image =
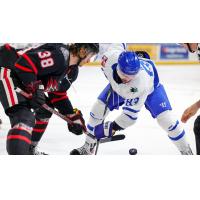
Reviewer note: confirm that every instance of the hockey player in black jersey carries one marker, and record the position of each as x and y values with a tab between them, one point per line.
55	66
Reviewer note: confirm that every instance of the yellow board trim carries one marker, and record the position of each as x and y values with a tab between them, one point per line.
93	64
177	63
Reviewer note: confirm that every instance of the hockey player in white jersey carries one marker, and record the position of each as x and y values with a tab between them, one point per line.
133	83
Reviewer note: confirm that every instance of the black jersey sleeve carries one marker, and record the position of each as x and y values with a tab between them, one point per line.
61	101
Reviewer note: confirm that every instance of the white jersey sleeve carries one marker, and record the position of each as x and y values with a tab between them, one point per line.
24	45
105	47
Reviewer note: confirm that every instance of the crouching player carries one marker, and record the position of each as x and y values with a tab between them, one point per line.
133	83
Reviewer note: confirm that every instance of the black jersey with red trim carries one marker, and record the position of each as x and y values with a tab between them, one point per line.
49	59
49	63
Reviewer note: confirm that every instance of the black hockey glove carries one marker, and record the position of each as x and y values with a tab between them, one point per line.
78	125
38	96
38	99
143	54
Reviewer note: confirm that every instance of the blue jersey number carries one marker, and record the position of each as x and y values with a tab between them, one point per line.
131	102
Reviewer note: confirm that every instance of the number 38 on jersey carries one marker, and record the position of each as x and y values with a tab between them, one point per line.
46	59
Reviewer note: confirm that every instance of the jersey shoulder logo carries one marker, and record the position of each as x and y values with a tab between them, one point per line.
103	61
133	89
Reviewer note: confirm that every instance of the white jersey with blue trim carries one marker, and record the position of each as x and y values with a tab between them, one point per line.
141	85
134	92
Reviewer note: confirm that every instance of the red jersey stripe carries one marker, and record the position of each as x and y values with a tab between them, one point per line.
38	130
31	63
58	99
23	68
58	93
41	122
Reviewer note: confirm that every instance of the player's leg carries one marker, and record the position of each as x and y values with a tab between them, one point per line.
42	119
19	136
107	101
21	118
197	134
159	106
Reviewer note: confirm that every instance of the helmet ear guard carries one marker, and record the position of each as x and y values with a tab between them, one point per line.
129	63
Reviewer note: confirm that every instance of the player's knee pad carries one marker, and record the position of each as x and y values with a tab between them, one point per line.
19	140
171	125
197	126
97	114
23	115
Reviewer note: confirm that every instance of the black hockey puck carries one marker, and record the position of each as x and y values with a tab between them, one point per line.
133	151
74	152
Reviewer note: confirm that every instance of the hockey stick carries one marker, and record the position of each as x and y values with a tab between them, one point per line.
103	140
105	110
48	108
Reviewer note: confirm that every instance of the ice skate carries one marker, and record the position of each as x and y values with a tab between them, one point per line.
187	151
34	151
87	149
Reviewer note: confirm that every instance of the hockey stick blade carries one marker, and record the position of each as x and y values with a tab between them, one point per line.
113	138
